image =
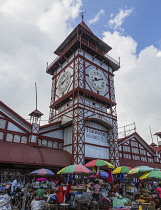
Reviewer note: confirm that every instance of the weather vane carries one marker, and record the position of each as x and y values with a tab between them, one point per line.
82	14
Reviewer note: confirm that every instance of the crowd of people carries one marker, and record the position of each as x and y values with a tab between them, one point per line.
119	193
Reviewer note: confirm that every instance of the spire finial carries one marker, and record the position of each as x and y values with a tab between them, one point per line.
82	14
36	94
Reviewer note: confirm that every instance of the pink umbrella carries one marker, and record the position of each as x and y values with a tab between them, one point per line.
41	179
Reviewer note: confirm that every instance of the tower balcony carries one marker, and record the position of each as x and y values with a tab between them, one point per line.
80	43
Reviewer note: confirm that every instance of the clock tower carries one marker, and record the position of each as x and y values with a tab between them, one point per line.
83	97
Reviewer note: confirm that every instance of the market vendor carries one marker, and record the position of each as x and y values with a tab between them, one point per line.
59	193
115	187
14	185
96	189
120	201
40	193
67	192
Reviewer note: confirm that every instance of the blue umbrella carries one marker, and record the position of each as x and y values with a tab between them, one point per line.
42	172
103	174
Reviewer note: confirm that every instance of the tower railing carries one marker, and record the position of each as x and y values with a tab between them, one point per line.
87	43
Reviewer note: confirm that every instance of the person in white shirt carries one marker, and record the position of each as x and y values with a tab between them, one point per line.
14	185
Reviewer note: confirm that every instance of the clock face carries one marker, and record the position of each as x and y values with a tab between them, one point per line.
63	82
97	79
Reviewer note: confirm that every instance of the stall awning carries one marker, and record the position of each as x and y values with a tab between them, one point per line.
25	154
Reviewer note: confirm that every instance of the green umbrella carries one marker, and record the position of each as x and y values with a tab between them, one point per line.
156	174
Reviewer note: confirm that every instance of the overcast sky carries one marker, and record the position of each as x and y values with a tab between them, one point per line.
32	30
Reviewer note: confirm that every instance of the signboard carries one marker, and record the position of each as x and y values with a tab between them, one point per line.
95	135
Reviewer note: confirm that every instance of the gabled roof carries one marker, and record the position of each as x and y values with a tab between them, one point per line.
14	117
139	139
2	105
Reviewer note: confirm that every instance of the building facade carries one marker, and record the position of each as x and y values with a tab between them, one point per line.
83	120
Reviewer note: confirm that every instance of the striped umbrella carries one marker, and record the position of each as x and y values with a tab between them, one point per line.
155	174
74	169
99	162
140	169
121	169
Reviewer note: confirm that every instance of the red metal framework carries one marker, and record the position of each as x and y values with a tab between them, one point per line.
53	89
78	124
78	110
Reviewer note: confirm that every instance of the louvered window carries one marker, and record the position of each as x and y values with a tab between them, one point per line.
24	139
9	137
55	144
2	123
1	135
50	144
16	138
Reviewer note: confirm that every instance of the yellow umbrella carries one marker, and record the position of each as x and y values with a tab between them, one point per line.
121	169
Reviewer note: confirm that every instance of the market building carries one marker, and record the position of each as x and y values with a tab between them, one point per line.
83	120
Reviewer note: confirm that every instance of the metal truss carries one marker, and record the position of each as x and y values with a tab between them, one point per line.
78	125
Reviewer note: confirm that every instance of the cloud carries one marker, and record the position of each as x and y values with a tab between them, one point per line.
30	32
97	17
117	21
137	84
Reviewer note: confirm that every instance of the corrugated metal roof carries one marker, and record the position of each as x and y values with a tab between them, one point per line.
25	154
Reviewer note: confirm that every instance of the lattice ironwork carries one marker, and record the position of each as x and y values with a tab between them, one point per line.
52	111
78	124
78	149
113	139
81	110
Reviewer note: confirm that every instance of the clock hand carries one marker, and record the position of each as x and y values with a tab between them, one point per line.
95	79
63	81
100	79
